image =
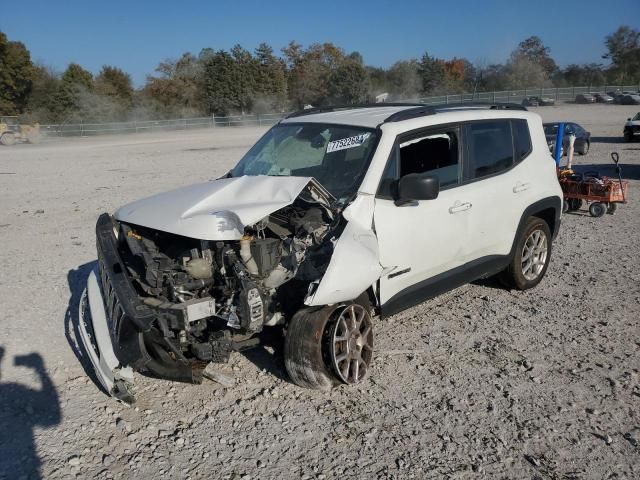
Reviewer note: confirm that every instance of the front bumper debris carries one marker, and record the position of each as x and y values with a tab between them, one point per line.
94	334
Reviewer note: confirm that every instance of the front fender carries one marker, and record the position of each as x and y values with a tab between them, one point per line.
355	263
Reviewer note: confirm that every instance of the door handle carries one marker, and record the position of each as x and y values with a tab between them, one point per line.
460	207
520	187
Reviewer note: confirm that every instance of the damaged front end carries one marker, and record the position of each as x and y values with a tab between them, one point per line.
169	304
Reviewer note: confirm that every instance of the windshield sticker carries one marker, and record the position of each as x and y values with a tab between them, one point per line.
349	142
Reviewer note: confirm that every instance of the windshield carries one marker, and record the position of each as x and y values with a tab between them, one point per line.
335	155
551	128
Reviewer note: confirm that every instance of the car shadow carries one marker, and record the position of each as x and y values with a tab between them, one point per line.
77	281
22	409
619	139
271	340
629	171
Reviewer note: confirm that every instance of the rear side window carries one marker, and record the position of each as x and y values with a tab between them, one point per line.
521	139
490	147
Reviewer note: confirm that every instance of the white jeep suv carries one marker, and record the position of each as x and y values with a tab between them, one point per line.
335	216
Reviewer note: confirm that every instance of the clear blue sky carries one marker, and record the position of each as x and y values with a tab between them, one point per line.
137	35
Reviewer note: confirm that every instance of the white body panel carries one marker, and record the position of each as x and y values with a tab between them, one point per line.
106	365
216	210
419	240
355	263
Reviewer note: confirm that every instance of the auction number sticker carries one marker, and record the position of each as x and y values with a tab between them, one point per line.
349	142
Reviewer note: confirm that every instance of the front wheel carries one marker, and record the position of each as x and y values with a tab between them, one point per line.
531	258
329	345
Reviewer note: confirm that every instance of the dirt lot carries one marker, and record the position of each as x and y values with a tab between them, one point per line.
478	383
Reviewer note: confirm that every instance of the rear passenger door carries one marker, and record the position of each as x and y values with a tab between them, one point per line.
492	167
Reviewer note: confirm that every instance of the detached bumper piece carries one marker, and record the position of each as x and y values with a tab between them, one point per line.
118	330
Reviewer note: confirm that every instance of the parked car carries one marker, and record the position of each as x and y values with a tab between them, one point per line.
538	101
630	99
334	217
632	128
602	97
585	98
583	137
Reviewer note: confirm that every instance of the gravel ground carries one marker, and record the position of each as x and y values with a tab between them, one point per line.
478	383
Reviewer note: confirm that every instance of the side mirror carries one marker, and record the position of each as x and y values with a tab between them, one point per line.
417	186
629	119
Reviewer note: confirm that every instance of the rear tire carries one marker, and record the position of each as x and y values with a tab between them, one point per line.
574	204
7	139
585	149
531	258
611	208
597	209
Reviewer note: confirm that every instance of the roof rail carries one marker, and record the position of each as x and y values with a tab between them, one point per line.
425	110
334	108
480	105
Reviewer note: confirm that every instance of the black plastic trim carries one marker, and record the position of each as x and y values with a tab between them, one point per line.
434	286
335	108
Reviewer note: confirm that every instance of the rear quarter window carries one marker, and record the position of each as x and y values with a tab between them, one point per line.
521	139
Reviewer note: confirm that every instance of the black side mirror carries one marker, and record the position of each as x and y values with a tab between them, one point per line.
417	186
629	119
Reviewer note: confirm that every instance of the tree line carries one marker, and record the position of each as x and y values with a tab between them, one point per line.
224	82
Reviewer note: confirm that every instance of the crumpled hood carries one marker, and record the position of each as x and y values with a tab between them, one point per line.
216	210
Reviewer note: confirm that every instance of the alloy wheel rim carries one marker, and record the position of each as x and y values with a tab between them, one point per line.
534	255
352	343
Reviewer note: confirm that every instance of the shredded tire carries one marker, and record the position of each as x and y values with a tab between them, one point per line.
303	357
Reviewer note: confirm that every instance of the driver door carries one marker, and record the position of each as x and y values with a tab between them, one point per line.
421	240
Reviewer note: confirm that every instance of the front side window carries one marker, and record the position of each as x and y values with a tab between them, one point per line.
490	148
337	156
434	152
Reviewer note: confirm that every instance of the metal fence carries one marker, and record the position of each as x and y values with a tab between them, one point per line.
137	126
517	96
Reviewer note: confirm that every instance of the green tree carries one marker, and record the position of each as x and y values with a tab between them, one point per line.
310	71
432	73
348	82
271	82
623	47
115	83
75	85
220	92
41	106
16	72
404	79
175	91
535	52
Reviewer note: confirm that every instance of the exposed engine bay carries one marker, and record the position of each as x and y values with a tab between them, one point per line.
207	297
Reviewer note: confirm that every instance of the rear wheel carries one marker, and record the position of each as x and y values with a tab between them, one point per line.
574	204
597	209
7	139
531	258
329	345
611	208
585	148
